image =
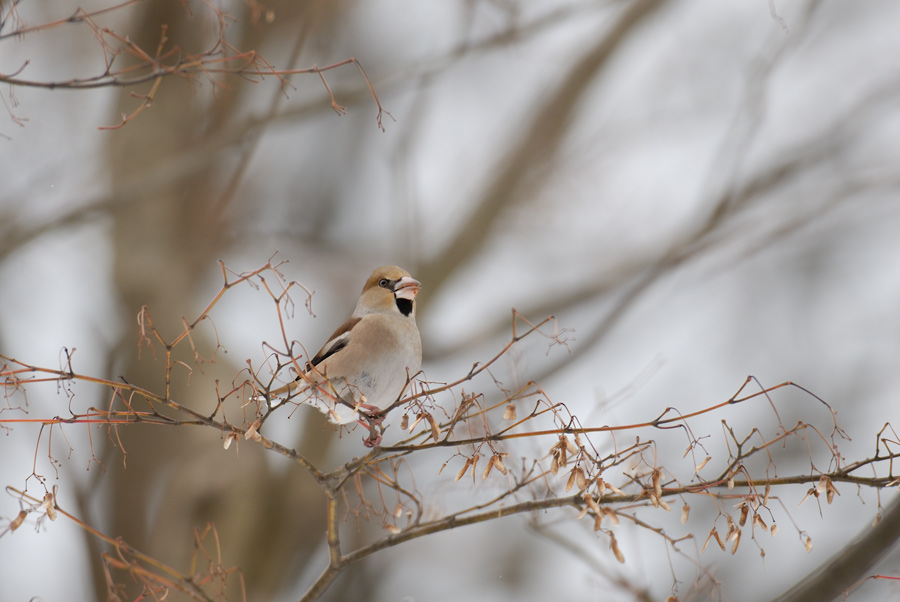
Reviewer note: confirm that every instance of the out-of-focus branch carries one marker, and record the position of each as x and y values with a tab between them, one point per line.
154	575
724	216
851	564
540	142
637	590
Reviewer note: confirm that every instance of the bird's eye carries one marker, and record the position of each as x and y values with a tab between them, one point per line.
384	282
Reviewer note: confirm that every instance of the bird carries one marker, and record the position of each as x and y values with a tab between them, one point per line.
368	361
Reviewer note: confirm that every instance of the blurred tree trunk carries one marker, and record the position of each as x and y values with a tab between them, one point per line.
166	239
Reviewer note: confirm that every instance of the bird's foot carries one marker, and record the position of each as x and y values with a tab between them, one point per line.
373	423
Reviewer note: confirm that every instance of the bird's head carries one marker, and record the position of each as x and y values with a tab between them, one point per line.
388	289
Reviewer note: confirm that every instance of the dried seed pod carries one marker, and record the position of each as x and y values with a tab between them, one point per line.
731	527
435	430
475	460
685	512
830	490
615	489
487	470
571	482
737	541
252	431
708	538
773	529
463	470
18	520
614	546
810	491
745	511
419	418
228	439
497	461
657	486
404	422
703	463
510	412
580	479
719	541
808	544
758	520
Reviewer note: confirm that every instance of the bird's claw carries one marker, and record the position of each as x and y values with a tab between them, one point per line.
372	422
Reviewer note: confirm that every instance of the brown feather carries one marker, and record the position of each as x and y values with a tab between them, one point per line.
342	329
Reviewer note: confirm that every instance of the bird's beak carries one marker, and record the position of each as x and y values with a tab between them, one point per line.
407	288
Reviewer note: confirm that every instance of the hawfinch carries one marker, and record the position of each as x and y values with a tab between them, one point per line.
369	360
